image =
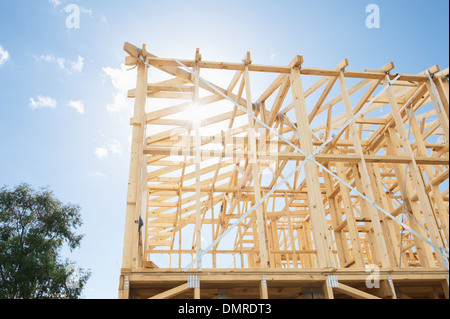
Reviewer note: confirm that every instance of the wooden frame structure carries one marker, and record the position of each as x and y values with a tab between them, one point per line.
339	190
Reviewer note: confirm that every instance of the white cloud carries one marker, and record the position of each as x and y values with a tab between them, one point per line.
42	102
122	80
73	66
101	152
77	105
108	146
98	174
55	3
272	57
66	65
104	20
4	55
47	58
119	104
115	147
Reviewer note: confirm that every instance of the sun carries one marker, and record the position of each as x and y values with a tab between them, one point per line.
194	113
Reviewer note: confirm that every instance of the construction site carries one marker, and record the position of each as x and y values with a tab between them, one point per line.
251	181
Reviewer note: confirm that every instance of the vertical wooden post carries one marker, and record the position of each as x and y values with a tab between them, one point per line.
440	108
133	209
405	184
327	291
316	208
340	239
263	291
422	151
276	244
388	289
378	232
197	293
263	245
291	230
351	220
374	256
389	229
416	174
196	123
442	89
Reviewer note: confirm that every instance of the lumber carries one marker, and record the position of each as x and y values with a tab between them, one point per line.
258	189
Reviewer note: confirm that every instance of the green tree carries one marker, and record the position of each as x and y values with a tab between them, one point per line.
34	227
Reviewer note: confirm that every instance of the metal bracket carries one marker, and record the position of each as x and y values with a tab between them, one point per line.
264	282
391	282
332	282
142	58
126	284
193	282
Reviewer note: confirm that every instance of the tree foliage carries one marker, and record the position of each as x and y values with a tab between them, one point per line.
34	227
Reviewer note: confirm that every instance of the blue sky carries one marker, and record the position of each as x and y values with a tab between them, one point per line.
63	112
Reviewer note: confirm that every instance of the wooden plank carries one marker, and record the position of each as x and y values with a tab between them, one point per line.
378	232
263	291
197	160
130	49
314	195
340	238
327	291
183	197
355	293
164	62
416	175
272	88
440	109
172	292
406	189
279	100
263	246
131	256
350	220
322	98
322	158
436	191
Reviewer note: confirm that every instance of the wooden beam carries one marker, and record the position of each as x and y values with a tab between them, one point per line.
183	181
172	292
378	231
263	246
131	255
372	75
311	171
263	291
355	293
416	175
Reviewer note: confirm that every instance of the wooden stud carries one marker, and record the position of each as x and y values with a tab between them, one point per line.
311	171
172	292
378	232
